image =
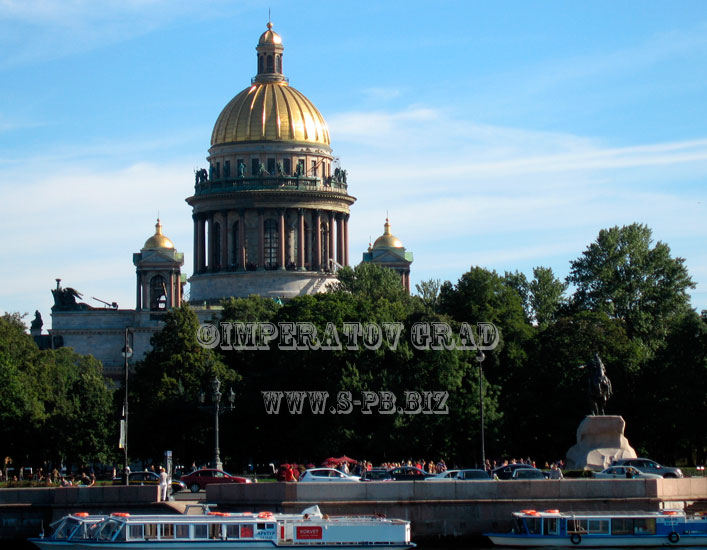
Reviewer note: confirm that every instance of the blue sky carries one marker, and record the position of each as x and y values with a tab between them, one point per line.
500	134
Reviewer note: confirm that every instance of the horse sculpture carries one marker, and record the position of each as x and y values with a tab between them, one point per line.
599	385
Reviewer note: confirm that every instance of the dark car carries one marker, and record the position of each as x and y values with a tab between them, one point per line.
506	472
148	478
376	474
199	479
528	473
408	473
648	466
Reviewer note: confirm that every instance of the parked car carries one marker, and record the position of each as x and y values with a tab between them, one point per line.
148	478
408	473
648	466
376	474
506	472
527	473
624	472
198	480
326	474
460	475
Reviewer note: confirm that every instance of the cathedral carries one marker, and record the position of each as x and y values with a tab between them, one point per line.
270	216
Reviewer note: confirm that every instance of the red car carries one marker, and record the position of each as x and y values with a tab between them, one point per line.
198	480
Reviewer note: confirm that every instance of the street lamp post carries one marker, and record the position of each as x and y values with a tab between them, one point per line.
126	353
480	358
218	410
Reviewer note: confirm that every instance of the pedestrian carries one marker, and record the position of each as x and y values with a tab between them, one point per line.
555	472
164	483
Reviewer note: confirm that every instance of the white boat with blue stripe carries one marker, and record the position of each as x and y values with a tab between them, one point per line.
220	530
597	530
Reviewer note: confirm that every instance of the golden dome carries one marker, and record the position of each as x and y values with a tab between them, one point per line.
387	239
269	37
158	240
272	111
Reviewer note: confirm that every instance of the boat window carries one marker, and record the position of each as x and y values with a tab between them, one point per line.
533	525
137	532
519	526
551	526
110	527
64	529
150	530
622	526
598	526
167	531
232	531
181	531
247	531
576	526
261	526
201	531
215	531
644	526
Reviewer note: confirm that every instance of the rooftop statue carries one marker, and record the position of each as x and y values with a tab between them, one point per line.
37	322
599	385
65	300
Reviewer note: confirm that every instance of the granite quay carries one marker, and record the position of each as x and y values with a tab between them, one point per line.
458	511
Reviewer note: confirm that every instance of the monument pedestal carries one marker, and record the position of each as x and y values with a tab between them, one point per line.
600	440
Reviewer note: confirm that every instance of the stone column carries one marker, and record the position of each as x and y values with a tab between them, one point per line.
241	240
317	256
211	251
261	241
339	239
281	243
196	245
330	255
300	239
138	294
346	239
200	252
225	241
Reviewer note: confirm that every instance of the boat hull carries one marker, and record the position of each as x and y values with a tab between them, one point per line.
588	541
45	544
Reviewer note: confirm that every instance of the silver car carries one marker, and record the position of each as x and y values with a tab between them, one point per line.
624	472
648	466
327	475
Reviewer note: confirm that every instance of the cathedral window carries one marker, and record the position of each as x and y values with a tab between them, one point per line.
235	246
158	293
260	64
226	168
218	170
300	167
270	67
287	166
278	62
271	166
314	169
254	166
270	244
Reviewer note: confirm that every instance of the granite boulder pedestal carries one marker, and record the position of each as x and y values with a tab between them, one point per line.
600	440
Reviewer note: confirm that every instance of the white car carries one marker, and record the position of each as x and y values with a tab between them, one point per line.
460	475
326	474
625	472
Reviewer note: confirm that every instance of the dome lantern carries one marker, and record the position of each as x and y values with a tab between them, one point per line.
269	50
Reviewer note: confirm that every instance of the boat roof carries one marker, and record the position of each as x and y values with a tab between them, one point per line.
595	514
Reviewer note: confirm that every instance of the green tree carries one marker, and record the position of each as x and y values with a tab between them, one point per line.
627	277
165	391
428	292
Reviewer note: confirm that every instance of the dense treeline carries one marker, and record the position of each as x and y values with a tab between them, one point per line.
55	406
625	298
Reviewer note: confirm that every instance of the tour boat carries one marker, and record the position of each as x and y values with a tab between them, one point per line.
220	530
595	529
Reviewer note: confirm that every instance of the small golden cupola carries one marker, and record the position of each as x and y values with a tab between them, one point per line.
387	239
388	251
158	240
